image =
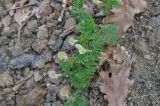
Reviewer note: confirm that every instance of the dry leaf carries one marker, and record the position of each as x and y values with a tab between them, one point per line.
72	41
124	16
44	8
115	55
64	92
62	56
22	14
81	49
53	75
116	85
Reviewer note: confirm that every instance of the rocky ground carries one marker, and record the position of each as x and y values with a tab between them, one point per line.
24	66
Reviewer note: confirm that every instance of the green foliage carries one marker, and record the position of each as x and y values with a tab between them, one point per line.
81	68
77	8
76	100
108	4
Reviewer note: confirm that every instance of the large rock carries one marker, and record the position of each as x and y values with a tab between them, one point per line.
21	62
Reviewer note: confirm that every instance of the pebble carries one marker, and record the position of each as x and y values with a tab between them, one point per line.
6	79
37	76
70	22
4	40
42	33
6	20
1	27
39	45
3	67
32	25
155	11
21	61
55	44
155	21
57	103
34	97
38	62
16	51
66	46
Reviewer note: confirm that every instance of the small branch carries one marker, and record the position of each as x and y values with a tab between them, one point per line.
21	27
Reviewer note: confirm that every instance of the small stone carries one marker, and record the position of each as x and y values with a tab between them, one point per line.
39	45
70	22
55	44
155	21
45	8
32	24
1	27
66	46
3	67
147	56
37	76
26	71
6	79
43	32
6	20
38	62
57	103
21	62
16	51
34	97
4	40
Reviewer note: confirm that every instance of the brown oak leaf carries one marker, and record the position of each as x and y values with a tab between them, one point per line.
116	85
123	16
115	55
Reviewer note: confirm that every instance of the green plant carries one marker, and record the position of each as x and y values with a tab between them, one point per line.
77	8
81	68
108	4
76	100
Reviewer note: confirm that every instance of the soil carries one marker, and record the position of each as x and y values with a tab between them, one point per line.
37	55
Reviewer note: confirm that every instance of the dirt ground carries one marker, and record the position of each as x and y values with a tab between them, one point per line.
143	43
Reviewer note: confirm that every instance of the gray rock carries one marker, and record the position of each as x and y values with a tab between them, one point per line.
3	52
66	46
57	103
155	11
4	40
6	79
21	62
32	24
38	62
37	76
3	67
155	21
52	23
16	51
42	33
10	32
6	20
55	44
70	22
47	104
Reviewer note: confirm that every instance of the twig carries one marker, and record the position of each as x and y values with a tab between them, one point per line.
67	31
62	13
2	12
21	27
